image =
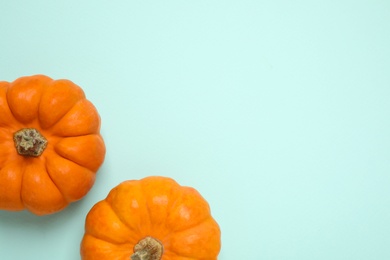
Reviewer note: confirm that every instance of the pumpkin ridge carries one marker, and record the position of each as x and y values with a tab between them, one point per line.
9	108
76	135
119	216
178	196
68	156
173	250
176	254
178	201
15	202
6	86
61	117
40	98
132	239
21	183
55	184
63	171
192	226
38	180
108	240
86	114
69	93
146	195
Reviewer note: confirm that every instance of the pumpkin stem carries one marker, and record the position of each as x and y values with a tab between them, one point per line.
148	248
29	142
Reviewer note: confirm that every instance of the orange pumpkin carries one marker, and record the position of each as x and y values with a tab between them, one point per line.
50	144
153	218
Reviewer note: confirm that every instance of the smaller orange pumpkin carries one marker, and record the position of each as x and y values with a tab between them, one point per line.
50	144
151	219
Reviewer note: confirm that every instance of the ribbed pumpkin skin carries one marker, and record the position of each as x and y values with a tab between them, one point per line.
179	217
66	169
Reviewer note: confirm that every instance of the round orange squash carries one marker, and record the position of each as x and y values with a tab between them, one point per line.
50	144
151	219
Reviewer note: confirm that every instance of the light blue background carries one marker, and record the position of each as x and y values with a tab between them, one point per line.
276	111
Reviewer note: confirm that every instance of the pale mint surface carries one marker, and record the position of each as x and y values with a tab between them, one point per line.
276	111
